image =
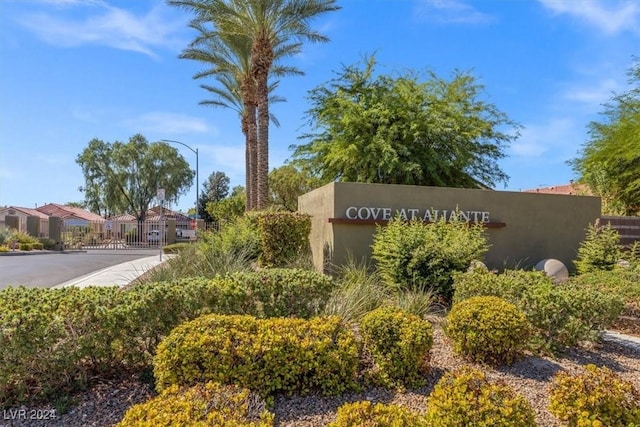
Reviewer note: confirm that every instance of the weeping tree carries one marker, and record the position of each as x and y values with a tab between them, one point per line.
404	129
609	163
124	177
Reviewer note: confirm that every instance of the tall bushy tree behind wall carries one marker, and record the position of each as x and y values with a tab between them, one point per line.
397	129
610	161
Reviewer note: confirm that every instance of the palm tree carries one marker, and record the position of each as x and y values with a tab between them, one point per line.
230	66
273	26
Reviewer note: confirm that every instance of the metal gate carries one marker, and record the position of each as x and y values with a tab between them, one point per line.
114	234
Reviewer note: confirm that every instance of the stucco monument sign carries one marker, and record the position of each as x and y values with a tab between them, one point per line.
523	228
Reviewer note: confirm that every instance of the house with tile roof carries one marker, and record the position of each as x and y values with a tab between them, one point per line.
564	189
23	214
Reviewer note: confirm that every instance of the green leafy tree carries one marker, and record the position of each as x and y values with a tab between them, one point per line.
400	130
610	161
124	177
272	26
286	183
214	189
229	208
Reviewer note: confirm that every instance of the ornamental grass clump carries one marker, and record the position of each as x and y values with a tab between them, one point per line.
595	398
209	404
399	344
367	414
487	330
466	398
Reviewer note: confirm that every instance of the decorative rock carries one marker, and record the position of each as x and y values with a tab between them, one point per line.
553	268
477	265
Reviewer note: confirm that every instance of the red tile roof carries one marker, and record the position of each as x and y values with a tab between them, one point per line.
63	211
566	189
27	211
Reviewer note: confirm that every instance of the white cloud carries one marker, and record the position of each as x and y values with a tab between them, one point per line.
593	95
536	140
449	12
227	158
611	17
167	123
106	25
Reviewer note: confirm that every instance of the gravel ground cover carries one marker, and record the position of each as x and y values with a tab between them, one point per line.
105	404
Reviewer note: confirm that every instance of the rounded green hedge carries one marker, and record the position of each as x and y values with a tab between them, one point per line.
365	413
209	404
487	330
466	398
399	344
596	398
264	355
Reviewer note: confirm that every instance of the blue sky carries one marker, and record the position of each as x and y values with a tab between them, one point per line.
74	70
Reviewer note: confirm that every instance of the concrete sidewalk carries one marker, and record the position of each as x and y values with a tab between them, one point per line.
117	275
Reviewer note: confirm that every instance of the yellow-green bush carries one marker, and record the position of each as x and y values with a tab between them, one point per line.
209	404
284	292
467	398
560	315
399	344
283	237
595	398
175	248
264	355
415	255
366	414
487	330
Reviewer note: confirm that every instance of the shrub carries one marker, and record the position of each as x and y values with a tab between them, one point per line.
487	330
399	344
416	255
366	414
264	355
619	281
175	248
37	246
281	292
283	237
25	246
600	250
467	398
560	315
207	404
4	248
47	243
597	397
238	237
51	341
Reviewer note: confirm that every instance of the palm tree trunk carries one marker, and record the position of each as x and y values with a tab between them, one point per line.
262	59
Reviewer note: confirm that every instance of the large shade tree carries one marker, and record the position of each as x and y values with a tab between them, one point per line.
124	177
270	25
610	161
287	182
401	130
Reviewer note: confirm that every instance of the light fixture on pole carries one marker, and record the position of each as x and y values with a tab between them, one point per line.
197	174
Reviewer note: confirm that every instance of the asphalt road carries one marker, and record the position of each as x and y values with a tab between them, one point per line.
50	269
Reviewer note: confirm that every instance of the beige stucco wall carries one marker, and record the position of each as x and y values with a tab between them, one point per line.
537	226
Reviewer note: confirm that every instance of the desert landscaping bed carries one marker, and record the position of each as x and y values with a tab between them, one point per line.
106	403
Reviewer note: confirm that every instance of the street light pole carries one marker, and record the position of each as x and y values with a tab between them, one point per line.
197	174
